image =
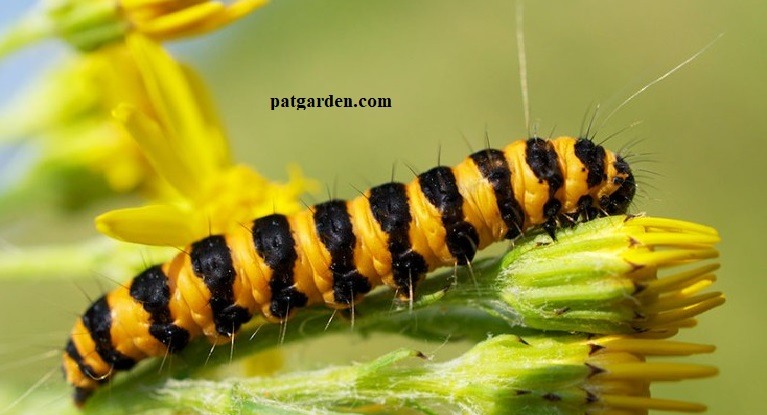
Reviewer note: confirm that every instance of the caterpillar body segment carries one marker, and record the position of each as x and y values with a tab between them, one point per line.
337	251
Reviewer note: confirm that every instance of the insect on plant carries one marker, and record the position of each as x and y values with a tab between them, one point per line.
337	251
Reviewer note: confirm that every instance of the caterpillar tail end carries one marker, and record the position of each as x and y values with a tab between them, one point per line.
81	395
80	376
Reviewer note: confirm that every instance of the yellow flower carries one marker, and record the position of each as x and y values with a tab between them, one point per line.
164	19
620	376
184	142
66	119
91	24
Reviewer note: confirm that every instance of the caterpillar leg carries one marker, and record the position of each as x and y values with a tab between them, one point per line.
550	226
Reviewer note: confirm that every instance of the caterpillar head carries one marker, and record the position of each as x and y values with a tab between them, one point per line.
620	189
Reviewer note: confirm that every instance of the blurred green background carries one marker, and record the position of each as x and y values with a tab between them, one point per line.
450	68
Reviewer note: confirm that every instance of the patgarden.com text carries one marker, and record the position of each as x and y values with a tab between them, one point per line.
330	101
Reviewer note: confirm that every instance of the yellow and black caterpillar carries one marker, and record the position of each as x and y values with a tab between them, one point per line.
337	251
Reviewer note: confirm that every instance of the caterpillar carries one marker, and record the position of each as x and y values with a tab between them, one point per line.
337	251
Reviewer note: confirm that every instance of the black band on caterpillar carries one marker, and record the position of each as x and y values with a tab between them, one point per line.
495	169
440	188
543	161
212	262
593	158
275	244
335	230
390	208
98	321
339	250
150	289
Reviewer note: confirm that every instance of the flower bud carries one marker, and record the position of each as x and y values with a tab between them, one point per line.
613	275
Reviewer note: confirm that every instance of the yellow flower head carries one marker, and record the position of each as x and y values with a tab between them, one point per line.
571	374
184	142
90	24
620	374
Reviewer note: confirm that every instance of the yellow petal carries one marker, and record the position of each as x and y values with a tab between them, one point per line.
178	23
162	225
218	146
158	149
193	135
235	11
243	7
135	4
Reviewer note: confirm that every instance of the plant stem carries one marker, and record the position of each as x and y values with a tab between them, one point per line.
30	29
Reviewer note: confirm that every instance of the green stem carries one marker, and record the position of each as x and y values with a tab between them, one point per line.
379	382
504	374
86	25
62	262
31	29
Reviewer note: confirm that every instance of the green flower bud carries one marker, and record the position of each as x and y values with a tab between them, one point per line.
612	275
507	374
